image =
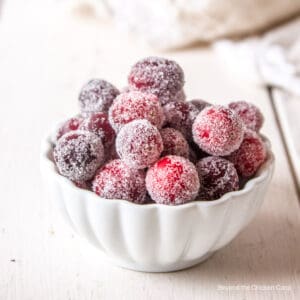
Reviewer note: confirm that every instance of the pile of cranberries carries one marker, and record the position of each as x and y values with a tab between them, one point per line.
147	144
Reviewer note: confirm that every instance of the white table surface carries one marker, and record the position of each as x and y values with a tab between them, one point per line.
45	57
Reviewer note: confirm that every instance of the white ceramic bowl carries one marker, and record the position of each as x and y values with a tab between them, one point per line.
154	237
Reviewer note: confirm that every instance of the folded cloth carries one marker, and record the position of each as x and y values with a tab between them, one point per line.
176	23
273	59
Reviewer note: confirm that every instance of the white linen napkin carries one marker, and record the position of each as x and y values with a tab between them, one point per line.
273	58
166	24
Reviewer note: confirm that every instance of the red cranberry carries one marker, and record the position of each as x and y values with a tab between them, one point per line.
218	130
78	154
112	153
139	144
69	125
249	113
82	184
172	180
174	143
98	123
97	95
115	180
135	106
250	156
181	115
218	176
180	96
159	76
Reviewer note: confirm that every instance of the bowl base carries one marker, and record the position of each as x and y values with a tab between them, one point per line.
164	269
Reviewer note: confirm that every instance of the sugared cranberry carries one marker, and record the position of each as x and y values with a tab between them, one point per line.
115	180
200	104
181	115
218	176
82	184
250	156
112	153
249	113
97	96
172	180
135	105
139	144
159	76
180	96
78	154
70	125
218	130
174	143
98	123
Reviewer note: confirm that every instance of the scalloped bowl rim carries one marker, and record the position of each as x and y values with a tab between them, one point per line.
260	176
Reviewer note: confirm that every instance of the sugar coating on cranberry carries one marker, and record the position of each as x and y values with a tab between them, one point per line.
69	125
98	123
217	176
181	115
180	96
250	155
172	180
200	104
78	154
218	130
115	180
97	95
174	143
159	76
139	144
112	153
249	113
135	105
